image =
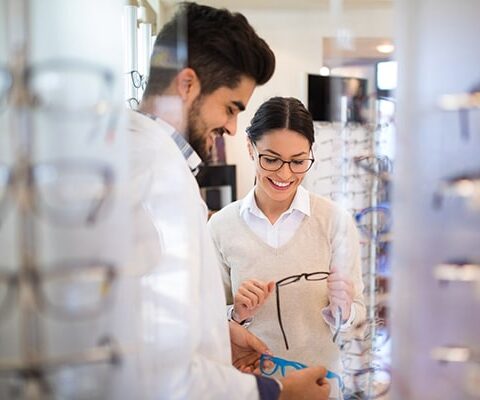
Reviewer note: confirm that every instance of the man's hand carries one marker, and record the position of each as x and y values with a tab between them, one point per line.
250	297
305	384
246	349
340	294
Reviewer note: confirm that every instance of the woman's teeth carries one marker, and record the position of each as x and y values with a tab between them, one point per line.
281	184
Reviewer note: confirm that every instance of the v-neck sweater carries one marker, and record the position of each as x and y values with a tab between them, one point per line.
326	238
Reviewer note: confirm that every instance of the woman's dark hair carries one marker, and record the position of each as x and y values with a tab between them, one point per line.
281	113
220	46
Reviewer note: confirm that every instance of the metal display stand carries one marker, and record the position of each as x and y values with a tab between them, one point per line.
349	169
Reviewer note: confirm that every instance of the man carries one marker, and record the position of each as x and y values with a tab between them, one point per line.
185	104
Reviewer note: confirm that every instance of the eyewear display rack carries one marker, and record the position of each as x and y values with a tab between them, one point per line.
436	263
350	169
64	225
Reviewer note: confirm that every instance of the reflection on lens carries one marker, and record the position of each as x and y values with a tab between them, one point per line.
72	192
86	382
374	382
69	89
78	290
317	276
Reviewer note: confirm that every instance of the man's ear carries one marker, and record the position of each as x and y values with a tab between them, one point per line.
188	85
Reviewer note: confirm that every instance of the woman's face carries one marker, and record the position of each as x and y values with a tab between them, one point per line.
280	185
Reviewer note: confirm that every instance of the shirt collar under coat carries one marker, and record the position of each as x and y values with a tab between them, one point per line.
193	159
301	203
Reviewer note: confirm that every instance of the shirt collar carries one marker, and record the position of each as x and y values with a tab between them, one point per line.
193	159
301	202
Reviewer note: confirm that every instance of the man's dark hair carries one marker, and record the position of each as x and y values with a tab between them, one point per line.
221	48
281	113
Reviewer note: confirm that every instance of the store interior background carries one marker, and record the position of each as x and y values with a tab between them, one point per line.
432	258
430	342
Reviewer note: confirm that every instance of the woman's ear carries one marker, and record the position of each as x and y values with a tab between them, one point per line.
188	85
250	148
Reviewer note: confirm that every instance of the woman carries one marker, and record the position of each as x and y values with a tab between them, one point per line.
291	259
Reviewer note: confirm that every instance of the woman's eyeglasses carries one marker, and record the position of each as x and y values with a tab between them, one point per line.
271	163
313	276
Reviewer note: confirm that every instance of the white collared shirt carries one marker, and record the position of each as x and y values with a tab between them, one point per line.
282	231
284	228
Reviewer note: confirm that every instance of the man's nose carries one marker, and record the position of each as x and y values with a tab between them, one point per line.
231	126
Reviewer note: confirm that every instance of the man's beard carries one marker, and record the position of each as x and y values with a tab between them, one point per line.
196	131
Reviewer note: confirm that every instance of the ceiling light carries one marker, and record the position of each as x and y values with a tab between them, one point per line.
385	48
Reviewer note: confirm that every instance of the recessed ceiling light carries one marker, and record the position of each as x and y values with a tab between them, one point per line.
385	48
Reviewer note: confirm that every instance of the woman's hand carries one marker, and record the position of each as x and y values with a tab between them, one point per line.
250	297
340	294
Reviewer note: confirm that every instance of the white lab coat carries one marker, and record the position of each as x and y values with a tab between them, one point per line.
183	327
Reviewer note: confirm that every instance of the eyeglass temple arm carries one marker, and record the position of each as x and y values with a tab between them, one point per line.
279	316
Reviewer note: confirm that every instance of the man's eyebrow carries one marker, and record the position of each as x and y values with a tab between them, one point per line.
239	105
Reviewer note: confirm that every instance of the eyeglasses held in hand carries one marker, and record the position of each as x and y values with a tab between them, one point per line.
73	289
269	365
313	276
271	163
84	375
69	192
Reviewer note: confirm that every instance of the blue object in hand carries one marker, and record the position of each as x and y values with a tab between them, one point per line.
270	364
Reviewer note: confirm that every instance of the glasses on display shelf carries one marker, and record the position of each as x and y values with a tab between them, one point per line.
6	82
271	163
375	222
457	271
465	186
463	103
85	375
68	192
138	80
313	276
269	365
132	103
379	166
73	289
350	195
335	179
68	93
374	382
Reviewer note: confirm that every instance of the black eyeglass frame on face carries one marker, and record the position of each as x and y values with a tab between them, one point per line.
273	159
312	276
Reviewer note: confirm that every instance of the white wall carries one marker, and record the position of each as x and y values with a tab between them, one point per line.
296	39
